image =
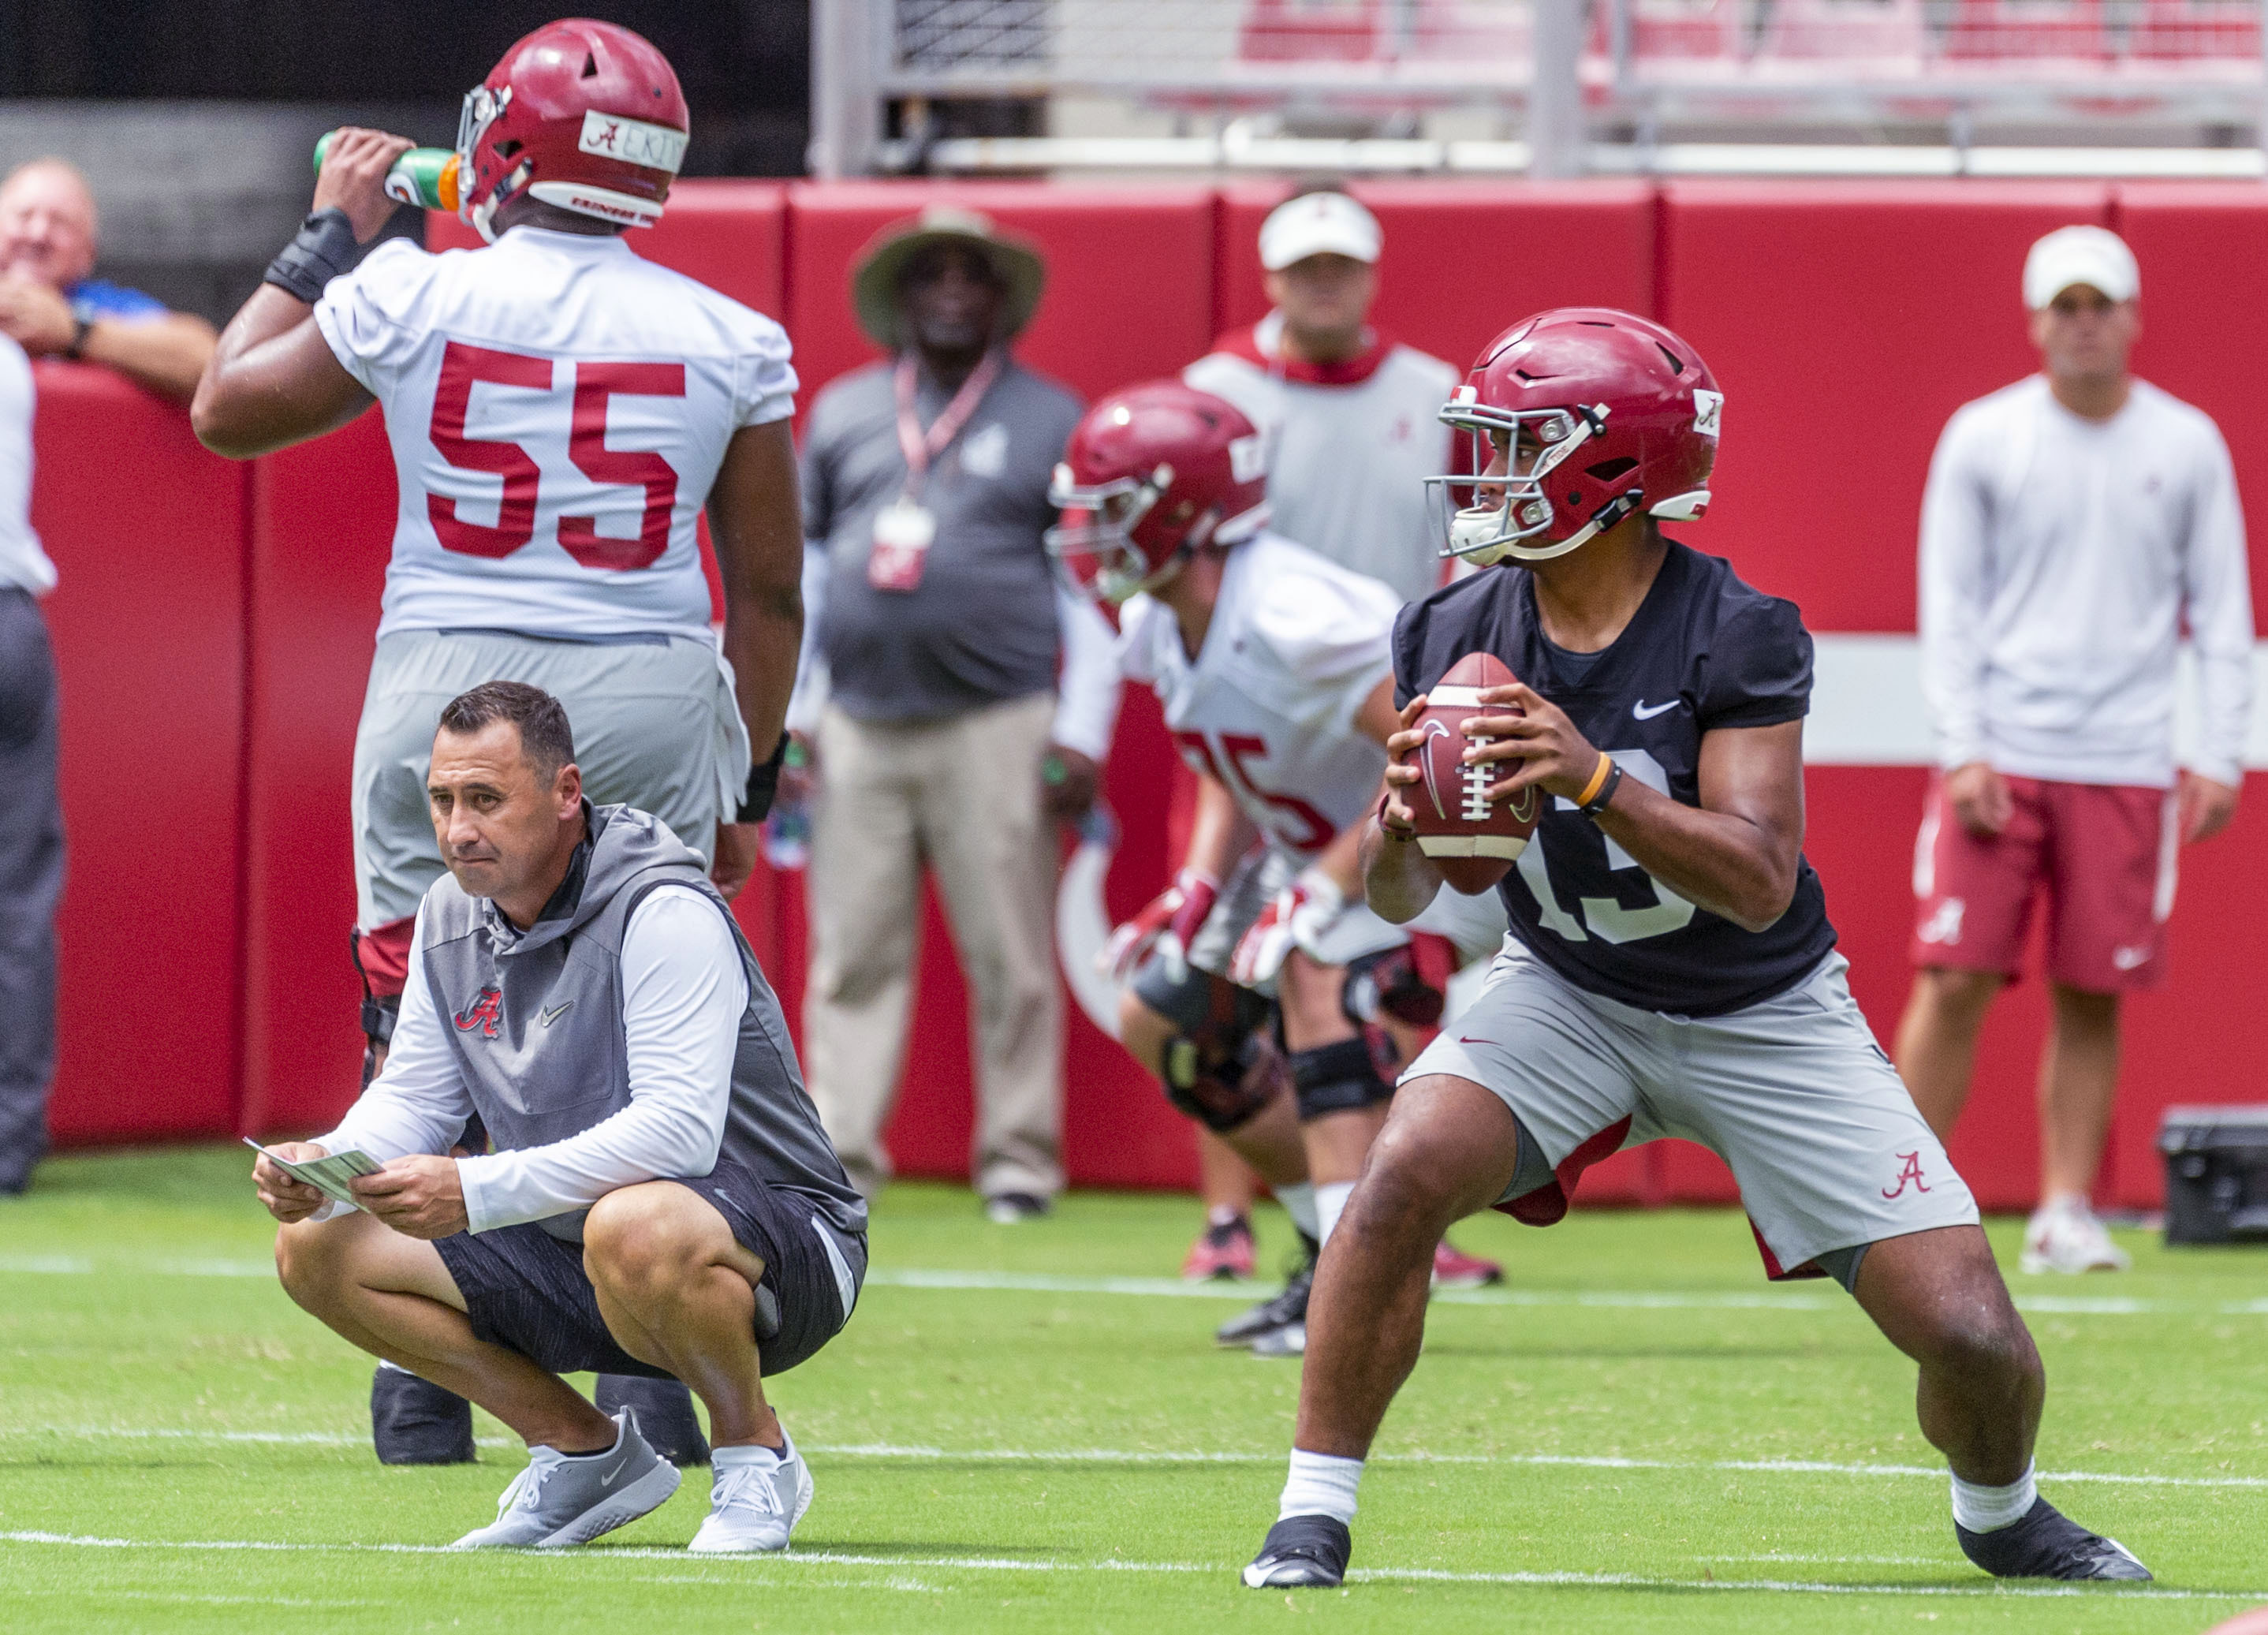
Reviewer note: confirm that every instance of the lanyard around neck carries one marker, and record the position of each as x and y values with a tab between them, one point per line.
921	447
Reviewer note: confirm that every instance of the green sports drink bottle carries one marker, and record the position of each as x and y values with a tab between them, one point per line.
423	176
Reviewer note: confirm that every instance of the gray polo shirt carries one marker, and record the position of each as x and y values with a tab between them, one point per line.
982	627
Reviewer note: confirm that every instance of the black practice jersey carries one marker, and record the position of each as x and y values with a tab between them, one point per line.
1704	651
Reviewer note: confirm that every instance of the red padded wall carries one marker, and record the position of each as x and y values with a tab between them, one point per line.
1844	323
214	624
322	529
1128	293
1465	260
147	533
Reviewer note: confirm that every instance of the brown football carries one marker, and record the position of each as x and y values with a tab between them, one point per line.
1472	840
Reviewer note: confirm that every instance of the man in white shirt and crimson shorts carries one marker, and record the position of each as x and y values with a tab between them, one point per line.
561	411
2074	524
661	1200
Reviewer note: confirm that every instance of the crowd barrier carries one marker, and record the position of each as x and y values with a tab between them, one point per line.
214	622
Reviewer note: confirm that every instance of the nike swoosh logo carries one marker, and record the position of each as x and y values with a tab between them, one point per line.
1469	1039
608	1480
552	1015
1642	712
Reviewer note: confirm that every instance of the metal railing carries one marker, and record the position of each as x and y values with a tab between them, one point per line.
1719	73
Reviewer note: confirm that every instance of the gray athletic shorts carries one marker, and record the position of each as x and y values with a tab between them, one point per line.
1252	884
1828	1148
655	722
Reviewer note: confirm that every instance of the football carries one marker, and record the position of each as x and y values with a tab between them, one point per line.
1472	840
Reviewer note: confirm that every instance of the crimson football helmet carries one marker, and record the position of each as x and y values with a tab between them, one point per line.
1151	475
583	114
1579	416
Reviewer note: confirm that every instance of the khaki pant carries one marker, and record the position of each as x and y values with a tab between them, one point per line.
962	797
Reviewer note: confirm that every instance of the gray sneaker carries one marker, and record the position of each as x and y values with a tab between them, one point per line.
560	1499
754	1510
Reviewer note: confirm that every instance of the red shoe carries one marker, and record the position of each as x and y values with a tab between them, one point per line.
1224	1251
1453	1268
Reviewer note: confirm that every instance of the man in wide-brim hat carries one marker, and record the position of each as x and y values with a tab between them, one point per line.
932	614
880	273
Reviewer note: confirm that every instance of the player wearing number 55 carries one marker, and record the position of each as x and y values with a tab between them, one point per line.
662	1201
1671	970
560	412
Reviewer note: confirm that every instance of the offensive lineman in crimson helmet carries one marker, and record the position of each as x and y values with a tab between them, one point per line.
562	413
1271	664
1671	971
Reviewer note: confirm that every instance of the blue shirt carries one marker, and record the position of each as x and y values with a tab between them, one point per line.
91	299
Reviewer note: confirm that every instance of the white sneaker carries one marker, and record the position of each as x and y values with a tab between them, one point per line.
2064	1235
560	1499
1288	1340
753	1507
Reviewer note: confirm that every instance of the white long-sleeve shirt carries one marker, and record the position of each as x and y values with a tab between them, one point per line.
683	992
1087	698
23	565
2060	560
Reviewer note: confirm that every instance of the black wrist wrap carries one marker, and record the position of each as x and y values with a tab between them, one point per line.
324	248
764	783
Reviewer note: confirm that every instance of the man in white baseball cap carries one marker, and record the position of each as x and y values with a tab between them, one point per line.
1350	417
2073	523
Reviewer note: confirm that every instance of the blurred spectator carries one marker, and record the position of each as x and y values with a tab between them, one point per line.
2074	523
51	305
1350	418
31	810
936	735
1350	415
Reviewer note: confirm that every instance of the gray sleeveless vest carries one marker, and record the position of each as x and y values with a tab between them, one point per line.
535	1018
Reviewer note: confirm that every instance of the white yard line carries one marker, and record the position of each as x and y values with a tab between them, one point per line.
1175	1288
993	1563
920	1453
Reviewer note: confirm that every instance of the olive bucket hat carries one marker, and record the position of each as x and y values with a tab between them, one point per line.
874	276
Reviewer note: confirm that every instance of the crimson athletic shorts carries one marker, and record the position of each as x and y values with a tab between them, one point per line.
2102	856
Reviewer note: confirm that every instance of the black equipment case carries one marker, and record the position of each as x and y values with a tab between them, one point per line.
2216	1174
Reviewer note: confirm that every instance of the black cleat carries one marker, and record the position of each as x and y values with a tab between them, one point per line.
664	1414
1301	1552
1287	1310
415	1422
2049	1544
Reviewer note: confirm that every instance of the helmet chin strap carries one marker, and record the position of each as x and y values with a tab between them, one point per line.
1608	516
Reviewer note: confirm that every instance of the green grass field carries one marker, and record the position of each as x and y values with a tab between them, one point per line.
1027	1428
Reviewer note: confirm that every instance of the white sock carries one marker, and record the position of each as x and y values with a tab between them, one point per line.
1298	1202
1983	1509
1320	1484
754	1454
1330	1203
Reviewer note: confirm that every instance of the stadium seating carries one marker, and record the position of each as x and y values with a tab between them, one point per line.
214	622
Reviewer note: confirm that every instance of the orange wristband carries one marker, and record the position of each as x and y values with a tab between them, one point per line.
1598	780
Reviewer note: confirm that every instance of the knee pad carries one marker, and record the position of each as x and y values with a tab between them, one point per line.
1391	982
1337	1078
1222	1067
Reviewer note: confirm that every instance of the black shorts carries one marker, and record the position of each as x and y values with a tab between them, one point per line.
526	1290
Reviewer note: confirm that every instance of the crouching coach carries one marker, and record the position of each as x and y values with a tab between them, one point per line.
661	1200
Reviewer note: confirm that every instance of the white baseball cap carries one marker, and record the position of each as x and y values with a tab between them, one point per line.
1317	223
2094	256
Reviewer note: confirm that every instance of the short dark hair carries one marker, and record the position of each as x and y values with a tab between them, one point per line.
545	737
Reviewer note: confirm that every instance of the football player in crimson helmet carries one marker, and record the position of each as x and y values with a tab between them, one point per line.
584	116
1272	666
1671	969
574	137
1638	433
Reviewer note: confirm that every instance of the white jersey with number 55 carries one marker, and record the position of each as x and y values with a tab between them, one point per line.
1295	645
559	408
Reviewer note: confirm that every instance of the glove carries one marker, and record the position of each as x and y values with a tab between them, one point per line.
1300	917
1166	925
